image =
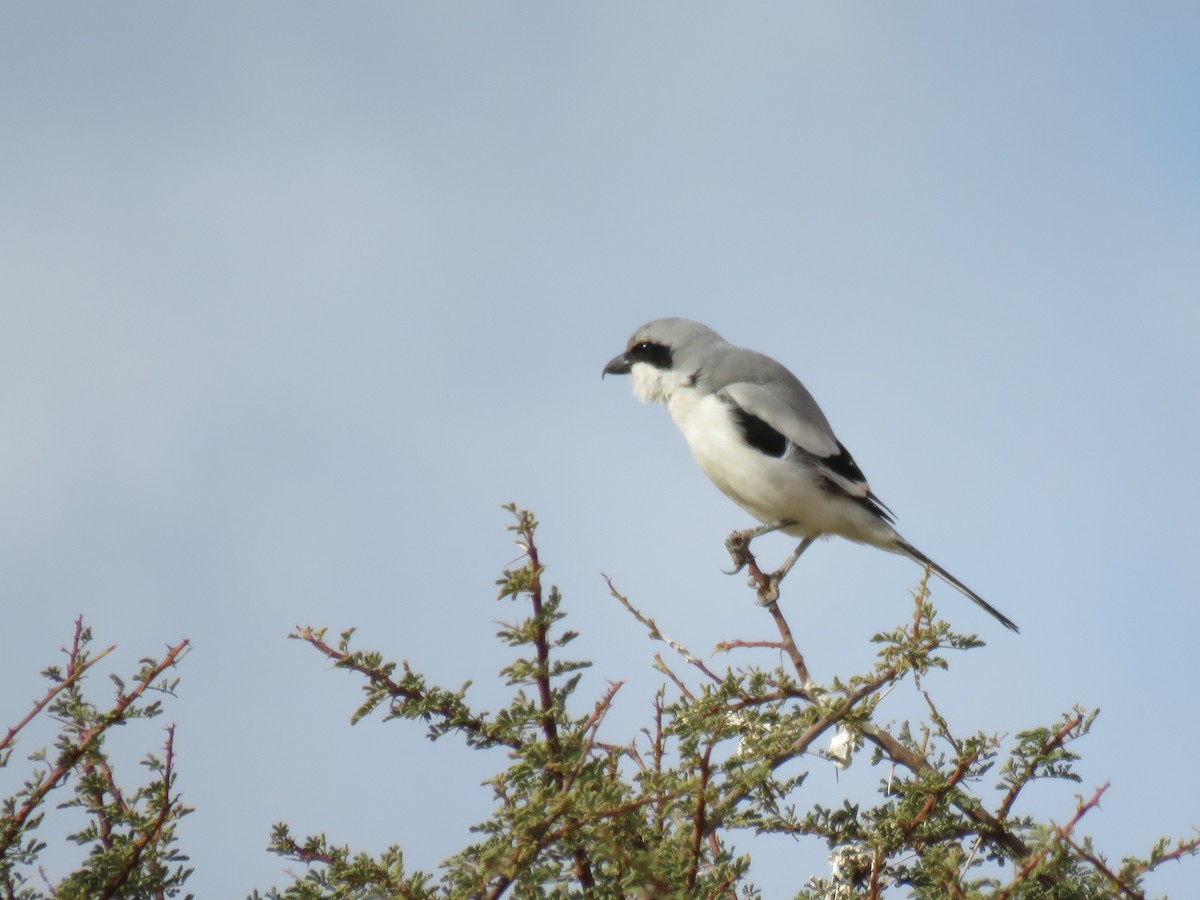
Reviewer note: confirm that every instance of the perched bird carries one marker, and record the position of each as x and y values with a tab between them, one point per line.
761	438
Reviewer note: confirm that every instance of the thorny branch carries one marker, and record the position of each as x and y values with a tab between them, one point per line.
1053	744
154	833
1063	833
789	643
656	635
68	759
473	725
525	527
1066	835
714	792
931	802
74	673
700	824
991	828
767	589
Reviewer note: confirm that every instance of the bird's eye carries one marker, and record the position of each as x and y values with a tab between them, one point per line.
657	355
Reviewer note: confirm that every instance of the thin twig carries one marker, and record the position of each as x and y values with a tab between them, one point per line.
991	828
656	635
789	643
700	821
768	595
70	757
931	802
153	834
72	677
474	726
1031	861
726	646
684	690
1031	768
808	737
541	643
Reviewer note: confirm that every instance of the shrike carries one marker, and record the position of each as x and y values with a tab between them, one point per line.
761	438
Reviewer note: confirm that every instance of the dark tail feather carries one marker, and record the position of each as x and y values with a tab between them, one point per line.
917	556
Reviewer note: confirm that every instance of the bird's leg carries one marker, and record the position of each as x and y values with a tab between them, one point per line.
771	592
791	560
738	544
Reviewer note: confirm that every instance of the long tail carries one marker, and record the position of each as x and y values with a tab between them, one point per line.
917	556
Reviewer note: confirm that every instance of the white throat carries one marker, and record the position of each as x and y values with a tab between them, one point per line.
651	385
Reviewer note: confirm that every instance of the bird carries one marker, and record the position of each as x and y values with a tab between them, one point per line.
761	438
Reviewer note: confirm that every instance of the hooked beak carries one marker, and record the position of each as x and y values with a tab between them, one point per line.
618	365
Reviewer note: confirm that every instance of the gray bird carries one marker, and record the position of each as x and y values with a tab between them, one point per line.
761	438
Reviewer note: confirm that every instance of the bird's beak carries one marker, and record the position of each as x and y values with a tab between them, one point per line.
618	365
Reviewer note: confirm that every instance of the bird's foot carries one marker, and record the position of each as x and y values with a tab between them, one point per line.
738	545
768	585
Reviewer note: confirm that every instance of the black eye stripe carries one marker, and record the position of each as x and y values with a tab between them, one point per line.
654	354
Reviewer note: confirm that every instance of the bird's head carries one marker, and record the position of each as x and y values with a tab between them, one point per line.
661	356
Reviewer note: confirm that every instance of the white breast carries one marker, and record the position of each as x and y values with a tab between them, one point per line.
768	488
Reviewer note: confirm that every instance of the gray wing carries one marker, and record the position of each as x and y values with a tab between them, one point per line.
790	410
782	419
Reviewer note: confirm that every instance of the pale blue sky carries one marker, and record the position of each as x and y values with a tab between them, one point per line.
296	295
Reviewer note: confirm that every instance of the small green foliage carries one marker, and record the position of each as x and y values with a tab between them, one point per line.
129	838
333	871
726	753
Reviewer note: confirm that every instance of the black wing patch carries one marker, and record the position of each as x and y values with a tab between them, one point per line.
758	434
766	440
842	463
870	502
